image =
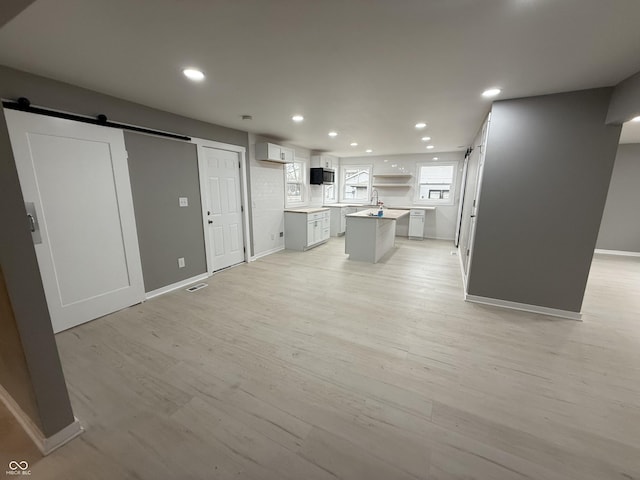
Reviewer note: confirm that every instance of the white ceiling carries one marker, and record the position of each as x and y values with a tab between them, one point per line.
370	69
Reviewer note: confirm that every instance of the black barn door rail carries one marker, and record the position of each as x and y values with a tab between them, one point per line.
23	104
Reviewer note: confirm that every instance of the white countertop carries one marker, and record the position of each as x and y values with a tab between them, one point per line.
388	207
414	207
388	214
307	210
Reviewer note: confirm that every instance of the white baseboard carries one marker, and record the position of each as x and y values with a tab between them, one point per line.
268	252
621	253
176	286
46	445
523	307
65	435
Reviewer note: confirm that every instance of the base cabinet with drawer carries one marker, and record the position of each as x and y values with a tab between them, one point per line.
304	230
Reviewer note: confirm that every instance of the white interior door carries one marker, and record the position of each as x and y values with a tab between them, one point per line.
77	178
477	188
224	207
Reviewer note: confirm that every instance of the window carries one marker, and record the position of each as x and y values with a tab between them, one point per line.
356	183
329	193
436	183
294	182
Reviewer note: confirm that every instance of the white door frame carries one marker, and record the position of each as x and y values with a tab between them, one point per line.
463	192
474	212
201	143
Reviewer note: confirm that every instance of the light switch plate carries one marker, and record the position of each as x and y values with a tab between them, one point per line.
184	201
181	262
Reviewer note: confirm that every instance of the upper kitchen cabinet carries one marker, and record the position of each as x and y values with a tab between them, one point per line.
324	161
271	152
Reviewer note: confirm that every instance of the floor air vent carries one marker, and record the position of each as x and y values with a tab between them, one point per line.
197	287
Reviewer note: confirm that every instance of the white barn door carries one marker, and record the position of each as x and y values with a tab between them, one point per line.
77	179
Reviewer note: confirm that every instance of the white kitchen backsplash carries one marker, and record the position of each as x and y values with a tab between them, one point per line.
267	197
439	224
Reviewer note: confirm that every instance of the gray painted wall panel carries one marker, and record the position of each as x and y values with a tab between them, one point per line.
548	164
161	171
620	227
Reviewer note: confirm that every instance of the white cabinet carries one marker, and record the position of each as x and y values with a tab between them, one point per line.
324	161
416	224
271	152
339	220
303	230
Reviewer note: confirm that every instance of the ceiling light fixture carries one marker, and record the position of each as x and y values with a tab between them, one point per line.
354	144
636	119
430	147
425	139
297	118
420	125
193	74
333	134
491	92
435	158
368	150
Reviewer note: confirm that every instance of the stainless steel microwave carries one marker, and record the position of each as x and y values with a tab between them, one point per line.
321	175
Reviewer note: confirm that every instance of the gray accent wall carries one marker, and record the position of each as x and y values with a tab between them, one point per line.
547	169
620	228
161	171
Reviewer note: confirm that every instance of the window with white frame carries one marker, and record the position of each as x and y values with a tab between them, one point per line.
356	183
436	183
294	182
329	193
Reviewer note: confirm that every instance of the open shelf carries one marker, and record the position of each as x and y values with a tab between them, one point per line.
393	175
391	185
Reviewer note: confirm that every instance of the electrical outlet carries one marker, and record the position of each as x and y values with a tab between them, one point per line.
184	201
181	263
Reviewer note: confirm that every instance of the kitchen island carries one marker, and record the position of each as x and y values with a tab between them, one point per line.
369	237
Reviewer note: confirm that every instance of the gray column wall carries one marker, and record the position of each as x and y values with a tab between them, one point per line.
548	164
620	227
17	255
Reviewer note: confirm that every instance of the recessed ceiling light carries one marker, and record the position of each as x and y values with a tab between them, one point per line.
425	139
429	147
491	92
354	144
297	118
420	125
435	158
368	150
636	119
193	74
333	134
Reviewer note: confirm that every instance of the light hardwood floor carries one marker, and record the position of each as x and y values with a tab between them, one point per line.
310	366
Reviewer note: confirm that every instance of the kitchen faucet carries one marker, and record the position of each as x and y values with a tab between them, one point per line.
374	193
